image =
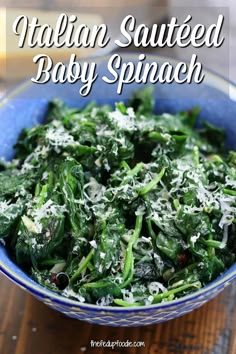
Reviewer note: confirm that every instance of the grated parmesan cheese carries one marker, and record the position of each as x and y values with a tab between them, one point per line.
47	210
58	137
155	287
128	296
68	292
194	238
123	121
105	300
93	243
225	237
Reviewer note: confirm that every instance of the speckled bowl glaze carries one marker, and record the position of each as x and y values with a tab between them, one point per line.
27	105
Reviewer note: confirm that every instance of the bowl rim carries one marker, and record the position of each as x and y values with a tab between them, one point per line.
212	79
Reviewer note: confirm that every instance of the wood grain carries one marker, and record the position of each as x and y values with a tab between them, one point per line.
28	326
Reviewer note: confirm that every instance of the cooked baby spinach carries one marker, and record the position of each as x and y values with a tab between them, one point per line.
120	206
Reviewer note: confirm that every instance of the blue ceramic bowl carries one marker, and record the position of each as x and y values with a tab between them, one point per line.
27	105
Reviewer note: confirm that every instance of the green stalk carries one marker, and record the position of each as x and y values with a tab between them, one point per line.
196	156
176	203
150	229
124	165
42	195
152	184
129	259
212	243
211	249
129	276
215	158
82	267
229	192
133	172
158	136
124	303
97	284
158	298
51	261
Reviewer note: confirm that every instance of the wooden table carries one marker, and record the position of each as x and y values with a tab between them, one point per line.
30	327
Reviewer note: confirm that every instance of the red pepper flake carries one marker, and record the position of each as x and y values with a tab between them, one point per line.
182	258
54	278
